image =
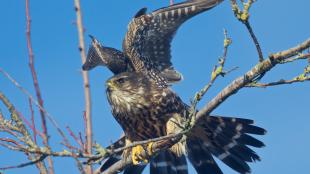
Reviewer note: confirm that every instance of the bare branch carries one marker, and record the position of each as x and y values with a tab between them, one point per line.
34	161
301	78
77	140
280	82
34	130
85	81
36	86
298	57
247	78
20	127
33	125
243	16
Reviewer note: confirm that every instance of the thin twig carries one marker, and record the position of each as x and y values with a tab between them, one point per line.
77	140
35	131
36	86
243	16
217	71
35	161
255	40
280	82
89	133
298	57
33	125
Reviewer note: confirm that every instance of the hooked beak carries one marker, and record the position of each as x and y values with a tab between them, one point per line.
110	85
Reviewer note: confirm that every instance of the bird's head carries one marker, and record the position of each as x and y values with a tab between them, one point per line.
129	87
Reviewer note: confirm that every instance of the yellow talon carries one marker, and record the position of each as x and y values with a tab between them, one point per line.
137	151
149	148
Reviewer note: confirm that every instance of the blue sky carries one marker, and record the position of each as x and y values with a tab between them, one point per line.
282	110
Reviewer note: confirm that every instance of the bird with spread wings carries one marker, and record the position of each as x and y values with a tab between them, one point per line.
146	107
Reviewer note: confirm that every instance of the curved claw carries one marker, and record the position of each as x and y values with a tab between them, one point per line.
137	151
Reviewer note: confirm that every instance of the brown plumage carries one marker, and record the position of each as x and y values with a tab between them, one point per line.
145	110
140	106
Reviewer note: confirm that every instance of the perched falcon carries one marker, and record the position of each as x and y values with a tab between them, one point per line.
146	107
146	110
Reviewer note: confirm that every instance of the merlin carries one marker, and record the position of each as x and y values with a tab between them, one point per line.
146	110
144	105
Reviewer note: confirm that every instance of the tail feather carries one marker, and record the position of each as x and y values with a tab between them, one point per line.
239	150
227	139
223	137
134	169
167	162
239	132
201	159
249	140
236	131
229	159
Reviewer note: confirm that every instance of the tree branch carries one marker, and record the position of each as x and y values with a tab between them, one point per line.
243	16
20	128
247	78
34	161
86	83
280	82
37	88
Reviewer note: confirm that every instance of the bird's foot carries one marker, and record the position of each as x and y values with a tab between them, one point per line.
138	151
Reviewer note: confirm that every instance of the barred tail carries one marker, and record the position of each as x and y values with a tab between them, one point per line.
228	140
167	162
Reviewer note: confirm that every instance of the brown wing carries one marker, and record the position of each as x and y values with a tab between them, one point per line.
149	35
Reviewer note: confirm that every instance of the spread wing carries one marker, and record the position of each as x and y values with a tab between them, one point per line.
149	35
97	54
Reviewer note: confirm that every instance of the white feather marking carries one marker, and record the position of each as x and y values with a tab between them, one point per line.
179	12
193	8
166	14
223	155
172	13
186	11
160	164
182	167
236	136
239	127
230	145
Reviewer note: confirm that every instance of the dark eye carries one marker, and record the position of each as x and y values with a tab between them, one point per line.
120	80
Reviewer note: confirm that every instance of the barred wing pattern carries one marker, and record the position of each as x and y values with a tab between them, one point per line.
149	36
